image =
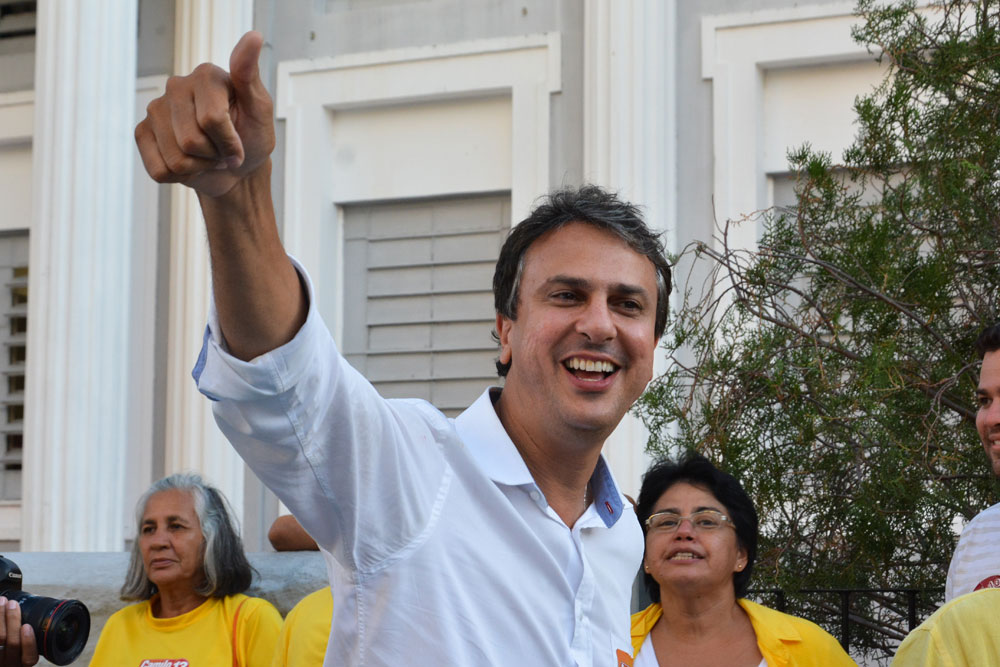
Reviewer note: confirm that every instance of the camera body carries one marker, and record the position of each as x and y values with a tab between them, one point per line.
61	626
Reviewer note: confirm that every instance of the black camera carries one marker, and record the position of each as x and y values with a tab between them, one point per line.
61	626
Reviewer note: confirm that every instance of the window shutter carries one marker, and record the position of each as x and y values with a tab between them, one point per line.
418	301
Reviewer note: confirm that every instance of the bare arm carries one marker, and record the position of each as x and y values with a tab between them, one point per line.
214	132
287	534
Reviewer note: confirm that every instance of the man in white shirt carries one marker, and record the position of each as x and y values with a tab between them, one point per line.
976	563
497	538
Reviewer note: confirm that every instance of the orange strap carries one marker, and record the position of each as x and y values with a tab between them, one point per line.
236	616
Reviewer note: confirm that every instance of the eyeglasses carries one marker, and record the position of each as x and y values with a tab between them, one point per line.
705	520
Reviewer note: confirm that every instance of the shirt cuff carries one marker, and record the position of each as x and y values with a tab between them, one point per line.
221	376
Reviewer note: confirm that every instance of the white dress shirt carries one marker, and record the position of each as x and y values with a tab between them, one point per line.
440	547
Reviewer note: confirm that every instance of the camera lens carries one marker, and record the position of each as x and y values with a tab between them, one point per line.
65	633
61	626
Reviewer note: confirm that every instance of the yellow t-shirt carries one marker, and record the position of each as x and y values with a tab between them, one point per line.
961	633
784	640
133	637
304	635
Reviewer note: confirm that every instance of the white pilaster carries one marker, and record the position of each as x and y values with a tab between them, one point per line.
76	420
629	125
206	31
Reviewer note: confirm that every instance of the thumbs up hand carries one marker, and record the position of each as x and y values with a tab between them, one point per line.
210	129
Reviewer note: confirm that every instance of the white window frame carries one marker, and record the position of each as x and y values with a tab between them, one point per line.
737	50
525	68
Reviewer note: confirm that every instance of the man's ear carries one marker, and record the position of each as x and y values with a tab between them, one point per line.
503	332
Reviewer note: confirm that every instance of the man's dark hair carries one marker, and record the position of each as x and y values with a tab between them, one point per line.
989	340
590	205
696	470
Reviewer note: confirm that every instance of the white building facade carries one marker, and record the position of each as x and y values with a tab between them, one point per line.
412	135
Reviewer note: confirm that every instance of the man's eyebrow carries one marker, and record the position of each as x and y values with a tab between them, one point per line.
568	281
629	290
626	289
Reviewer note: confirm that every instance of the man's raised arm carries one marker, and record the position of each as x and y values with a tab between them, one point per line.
214	132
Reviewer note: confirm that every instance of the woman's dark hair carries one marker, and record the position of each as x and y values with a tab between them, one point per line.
588	204
695	469
225	566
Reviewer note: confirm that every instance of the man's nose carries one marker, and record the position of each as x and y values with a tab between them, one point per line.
596	322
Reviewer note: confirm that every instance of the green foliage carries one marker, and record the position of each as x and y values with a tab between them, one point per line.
832	368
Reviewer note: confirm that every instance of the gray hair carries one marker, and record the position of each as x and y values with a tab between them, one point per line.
225	566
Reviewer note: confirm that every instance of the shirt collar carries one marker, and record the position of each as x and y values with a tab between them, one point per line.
774	632
496	455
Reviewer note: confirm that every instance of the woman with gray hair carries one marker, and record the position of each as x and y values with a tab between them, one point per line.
188	572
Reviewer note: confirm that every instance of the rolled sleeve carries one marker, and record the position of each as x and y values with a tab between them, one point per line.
318	434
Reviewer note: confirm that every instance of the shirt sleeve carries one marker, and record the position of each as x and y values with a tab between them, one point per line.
956	562
918	650
975	556
364	475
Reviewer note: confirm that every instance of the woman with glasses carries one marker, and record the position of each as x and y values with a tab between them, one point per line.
701	542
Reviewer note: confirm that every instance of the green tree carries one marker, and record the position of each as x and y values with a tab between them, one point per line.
832	368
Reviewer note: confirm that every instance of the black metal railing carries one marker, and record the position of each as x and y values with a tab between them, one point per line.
919	603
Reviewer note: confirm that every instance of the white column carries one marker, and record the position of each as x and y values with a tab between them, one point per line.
629	146
206	31
77	389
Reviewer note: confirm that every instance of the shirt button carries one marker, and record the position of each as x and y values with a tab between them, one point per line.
535	496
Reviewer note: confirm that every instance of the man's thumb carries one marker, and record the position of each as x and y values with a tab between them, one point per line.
243	69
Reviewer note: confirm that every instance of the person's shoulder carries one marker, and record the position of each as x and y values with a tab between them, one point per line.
966	610
788	627
129	613
249	605
989	516
983	526
768	615
759	613
317	607
963	623
320	601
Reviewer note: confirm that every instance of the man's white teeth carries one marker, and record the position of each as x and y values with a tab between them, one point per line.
683	555
590	365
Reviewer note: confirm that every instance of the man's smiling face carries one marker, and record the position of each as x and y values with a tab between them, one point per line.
988	416
582	345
